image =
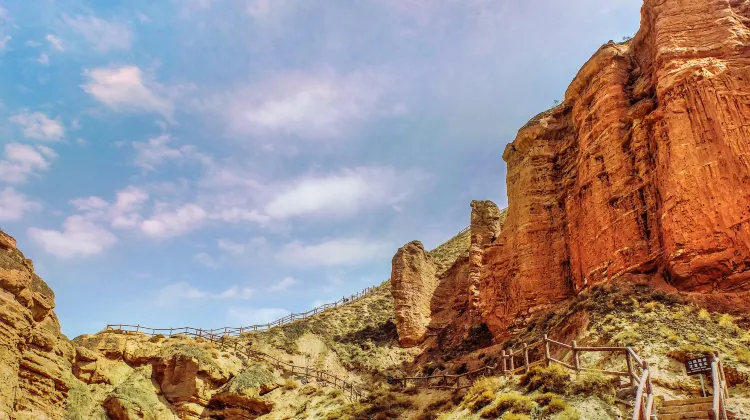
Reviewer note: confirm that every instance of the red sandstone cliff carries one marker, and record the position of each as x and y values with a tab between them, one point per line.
643	168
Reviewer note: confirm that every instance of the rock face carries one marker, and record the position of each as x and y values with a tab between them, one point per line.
643	168
35	358
413	283
486	222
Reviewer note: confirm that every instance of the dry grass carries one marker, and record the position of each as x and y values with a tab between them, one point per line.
481	393
596	383
553	378
508	403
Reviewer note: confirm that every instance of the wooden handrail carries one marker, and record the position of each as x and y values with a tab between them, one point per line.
216	333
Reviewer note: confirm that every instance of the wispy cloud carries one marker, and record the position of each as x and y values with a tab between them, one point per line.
37	125
13	205
125	89
334	252
310	106
103	35
22	161
343	193
80	237
56	42
178	292
282	285
166	223
157	150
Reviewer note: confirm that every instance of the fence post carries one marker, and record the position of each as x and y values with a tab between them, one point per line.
512	363
137	327
526	355
505	363
546	350
630	366
576	361
170	332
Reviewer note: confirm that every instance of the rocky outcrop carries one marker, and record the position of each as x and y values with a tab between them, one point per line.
413	283
486	222
642	169
35	358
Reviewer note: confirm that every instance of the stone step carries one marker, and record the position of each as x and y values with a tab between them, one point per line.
706	406
688	401
703	415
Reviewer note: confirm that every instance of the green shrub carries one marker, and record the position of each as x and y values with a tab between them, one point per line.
513	403
548	379
596	383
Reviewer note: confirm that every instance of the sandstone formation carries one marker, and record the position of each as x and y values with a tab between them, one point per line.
486	222
642	169
413	283
35	358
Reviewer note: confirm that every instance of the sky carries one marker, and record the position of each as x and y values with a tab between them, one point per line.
225	162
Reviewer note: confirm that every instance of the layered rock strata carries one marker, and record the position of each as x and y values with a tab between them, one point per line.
35	358
413	283
643	168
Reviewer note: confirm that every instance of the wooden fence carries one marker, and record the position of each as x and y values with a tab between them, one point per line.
321	376
216	333
538	353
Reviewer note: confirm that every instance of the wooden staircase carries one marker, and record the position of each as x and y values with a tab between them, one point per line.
692	408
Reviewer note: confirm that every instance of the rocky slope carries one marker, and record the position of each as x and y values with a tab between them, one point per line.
642	169
35	358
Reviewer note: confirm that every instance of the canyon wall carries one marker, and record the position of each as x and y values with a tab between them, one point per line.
35	358
642	169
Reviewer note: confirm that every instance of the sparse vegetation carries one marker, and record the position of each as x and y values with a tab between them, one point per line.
512	403
595	383
553	378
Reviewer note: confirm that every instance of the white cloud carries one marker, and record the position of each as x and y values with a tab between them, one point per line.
178	292
4	42
249	316
38	126
156	151
23	160
55	42
89	204
33	44
283	285
79	237
13	205
317	106
103	35
126	210
168	223
335	252
124	89
239	248
236	214
342	193
206	260
43	59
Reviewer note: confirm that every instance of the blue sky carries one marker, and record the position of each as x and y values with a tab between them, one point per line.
224	162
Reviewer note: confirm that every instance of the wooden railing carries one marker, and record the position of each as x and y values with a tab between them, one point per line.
216	333
321	376
721	394
529	355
